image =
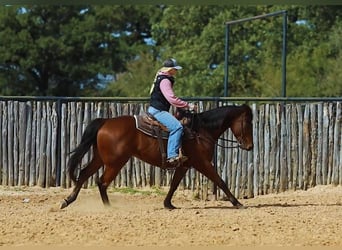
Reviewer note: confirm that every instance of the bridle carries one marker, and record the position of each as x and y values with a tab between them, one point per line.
228	140
240	139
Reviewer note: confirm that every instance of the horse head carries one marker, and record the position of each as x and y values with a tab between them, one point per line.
242	127
216	121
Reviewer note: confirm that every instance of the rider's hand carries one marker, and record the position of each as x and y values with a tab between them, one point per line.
192	107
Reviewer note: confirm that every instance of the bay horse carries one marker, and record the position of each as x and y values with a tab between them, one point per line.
115	140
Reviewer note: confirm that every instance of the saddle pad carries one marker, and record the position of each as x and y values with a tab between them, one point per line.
150	127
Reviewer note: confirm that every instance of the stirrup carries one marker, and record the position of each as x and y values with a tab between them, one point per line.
180	159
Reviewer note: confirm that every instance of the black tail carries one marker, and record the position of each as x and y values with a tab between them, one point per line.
88	139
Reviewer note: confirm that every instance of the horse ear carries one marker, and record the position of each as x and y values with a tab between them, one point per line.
246	106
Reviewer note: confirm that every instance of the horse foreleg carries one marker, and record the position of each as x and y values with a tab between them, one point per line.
209	171
108	176
85	173
230	196
177	177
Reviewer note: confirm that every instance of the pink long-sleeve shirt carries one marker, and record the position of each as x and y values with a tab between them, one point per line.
167	90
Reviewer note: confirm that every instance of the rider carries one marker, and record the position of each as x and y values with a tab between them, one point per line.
162	97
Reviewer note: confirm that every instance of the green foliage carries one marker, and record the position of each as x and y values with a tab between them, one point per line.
331	84
60	50
136	80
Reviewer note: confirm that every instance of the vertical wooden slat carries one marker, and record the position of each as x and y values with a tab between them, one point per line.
261	148
266	141
54	151
234	172
244	174
79	122
4	134
313	143
250	190
238	171
249	177
288	146
294	147
48	163
283	156
339	159
306	147
22	136
273	145
300	146
337	152
148	174
73	136
34	145
38	139
278	156
331	142
28	149
15	139
256	153
64	146
325	134
320	118
136	173
230	159
42	148
1	142
10	144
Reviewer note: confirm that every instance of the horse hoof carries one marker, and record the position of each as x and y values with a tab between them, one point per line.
64	204
169	206
240	206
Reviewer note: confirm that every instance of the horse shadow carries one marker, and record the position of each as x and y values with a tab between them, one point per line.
259	206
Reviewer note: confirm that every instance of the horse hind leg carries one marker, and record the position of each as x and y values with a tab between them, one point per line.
85	173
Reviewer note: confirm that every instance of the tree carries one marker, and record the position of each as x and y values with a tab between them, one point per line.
255	48
313	53
61	50
136	80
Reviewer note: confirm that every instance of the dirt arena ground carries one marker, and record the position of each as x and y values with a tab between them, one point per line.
31	217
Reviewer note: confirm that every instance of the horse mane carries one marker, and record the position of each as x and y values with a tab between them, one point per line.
218	117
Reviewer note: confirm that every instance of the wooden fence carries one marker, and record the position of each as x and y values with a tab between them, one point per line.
297	145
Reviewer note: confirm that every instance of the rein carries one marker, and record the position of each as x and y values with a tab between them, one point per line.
228	140
211	140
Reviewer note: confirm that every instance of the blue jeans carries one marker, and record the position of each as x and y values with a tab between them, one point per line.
175	129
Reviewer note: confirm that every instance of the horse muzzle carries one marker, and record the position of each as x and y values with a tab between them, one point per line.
247	147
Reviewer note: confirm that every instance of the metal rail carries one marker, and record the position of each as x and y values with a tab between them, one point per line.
284	45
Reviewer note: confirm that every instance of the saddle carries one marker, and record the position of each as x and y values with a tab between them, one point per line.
150	126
